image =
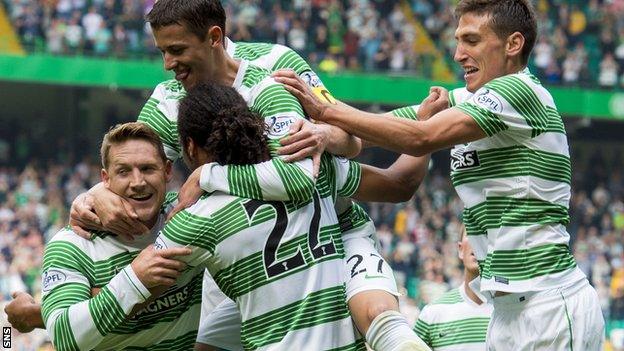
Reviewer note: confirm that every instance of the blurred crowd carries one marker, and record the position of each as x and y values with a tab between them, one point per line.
582	42
418	238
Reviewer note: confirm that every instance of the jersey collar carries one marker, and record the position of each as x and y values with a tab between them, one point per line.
230	47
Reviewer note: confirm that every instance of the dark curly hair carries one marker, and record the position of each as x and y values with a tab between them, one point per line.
217	119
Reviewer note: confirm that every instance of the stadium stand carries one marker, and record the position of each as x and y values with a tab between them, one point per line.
582	42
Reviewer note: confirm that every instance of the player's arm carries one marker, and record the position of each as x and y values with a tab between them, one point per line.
396	183
186	229
101	209
24	313
77	321
417	138
310	141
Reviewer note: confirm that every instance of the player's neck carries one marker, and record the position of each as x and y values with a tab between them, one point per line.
228	70
468	277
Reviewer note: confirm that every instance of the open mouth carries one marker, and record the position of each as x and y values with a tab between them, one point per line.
141	197
181	75
470	71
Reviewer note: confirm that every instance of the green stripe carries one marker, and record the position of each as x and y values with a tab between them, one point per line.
565	305
463	331
407	112
166	129
358	345
243	181
320	307
450	297
63	334
452	100
353	180
497	212
515	265
326	181
422	330
516	161
254	75
170	198
292	60
186	228
64	296
182	342
489	122
105	311
65	255
524	100
299	186
353	218
251	51
274	100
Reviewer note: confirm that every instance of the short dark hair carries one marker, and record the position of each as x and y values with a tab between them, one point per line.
507	17
218	120
197	15
130	131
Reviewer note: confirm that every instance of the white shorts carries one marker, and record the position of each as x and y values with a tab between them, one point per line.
366	269
211	298
222	327
567	318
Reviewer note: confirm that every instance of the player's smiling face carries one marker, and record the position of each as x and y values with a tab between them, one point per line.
138	173
480	52
184	53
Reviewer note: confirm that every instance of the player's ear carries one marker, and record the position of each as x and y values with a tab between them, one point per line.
168	171
215	35
105	178
515	44
460	250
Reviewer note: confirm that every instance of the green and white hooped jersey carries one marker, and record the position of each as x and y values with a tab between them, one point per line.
161	110
72	266
454	322
515	185
280	261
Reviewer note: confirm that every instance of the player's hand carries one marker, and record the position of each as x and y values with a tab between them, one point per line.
24	313
305	140
116	214
314	108
189	193
82	217
438	100
95	291
159	267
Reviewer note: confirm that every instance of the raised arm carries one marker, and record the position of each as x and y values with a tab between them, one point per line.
417	138
101	209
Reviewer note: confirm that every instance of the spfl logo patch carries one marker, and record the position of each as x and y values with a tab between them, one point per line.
311	79
489	101
52	278
280	126
464	160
